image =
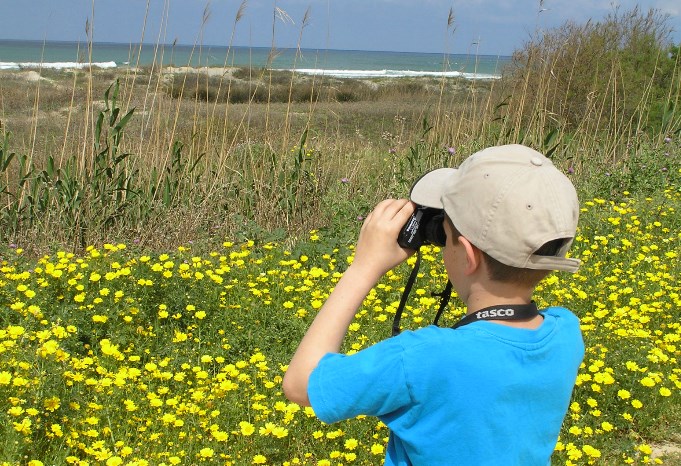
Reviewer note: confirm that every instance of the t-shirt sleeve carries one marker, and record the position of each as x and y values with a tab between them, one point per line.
371	382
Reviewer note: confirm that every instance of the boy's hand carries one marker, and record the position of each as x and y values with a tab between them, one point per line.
377	250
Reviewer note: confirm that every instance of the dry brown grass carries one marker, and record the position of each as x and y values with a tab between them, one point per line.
252	151
245	149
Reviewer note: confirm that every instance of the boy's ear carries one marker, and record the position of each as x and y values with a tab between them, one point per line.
473	256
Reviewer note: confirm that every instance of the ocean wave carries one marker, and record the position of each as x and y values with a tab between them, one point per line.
393	73
55	65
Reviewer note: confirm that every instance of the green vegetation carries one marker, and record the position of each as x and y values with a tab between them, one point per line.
118	347
91	156
619	76
119	356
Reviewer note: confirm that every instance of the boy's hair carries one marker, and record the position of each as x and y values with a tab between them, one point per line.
513	204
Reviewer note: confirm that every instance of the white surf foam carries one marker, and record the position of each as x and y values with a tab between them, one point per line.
55	65
392	73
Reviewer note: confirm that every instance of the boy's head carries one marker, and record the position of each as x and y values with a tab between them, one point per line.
510	202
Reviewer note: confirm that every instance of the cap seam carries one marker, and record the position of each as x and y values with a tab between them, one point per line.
513	179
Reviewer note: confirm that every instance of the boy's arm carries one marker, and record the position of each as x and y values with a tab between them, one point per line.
377	252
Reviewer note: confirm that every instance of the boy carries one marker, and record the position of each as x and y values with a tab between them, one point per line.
494	391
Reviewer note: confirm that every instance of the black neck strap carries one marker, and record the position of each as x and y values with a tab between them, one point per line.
444	297
405	294
501	312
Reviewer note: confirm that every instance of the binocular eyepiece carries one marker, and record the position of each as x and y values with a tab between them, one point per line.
423	227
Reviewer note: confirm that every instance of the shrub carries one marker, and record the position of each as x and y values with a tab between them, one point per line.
614	75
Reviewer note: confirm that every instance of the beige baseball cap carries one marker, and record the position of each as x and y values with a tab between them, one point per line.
508	201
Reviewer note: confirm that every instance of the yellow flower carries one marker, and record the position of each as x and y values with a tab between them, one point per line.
575	430
23	427
267	429
5	378
377	449
51	404
591	451
56	430
220	436
206	453
647	382
645	449
15	331
351	444
246	428
573	452
623	394
259	459
279	432
20	382
179	337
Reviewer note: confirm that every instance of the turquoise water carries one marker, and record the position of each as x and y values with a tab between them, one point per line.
342	63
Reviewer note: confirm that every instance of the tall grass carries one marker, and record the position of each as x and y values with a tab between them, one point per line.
157	156
613	80
235	165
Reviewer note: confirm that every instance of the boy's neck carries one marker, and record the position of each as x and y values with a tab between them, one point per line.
480	298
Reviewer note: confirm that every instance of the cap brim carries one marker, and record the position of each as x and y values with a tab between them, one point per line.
429	189
564	264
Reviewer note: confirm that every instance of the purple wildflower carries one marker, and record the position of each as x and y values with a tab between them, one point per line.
345	180
451	150
571	170
667	140
392	150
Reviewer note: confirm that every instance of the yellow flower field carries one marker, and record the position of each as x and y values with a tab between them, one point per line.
121	357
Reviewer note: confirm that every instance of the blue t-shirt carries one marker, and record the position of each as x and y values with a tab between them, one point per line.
483	394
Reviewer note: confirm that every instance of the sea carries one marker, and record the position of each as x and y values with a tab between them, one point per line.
19	54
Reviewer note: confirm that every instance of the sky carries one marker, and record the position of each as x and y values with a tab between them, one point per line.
490	27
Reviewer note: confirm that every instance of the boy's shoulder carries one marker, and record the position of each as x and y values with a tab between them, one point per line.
436	337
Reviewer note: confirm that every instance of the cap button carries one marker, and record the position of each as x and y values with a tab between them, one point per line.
537	161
